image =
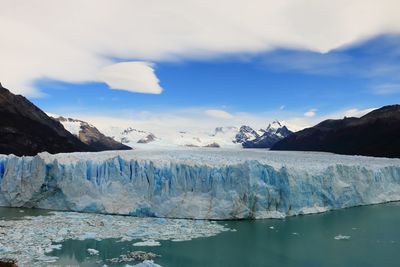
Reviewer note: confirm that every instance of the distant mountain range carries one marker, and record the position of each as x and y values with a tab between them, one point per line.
27	130
130	136
374	134
229	136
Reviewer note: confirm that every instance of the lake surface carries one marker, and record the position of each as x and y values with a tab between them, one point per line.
297	241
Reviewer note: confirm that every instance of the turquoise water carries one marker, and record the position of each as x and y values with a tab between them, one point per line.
298	241
303	241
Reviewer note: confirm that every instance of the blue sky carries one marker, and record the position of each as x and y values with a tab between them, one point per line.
279	81
160	64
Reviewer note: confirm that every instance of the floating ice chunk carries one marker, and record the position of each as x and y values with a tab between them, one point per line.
147	243
180	239
53	247
342	237
92	251
134	256
314	209
88	235
147	263
46	259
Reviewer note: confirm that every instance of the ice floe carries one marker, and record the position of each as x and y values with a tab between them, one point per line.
28	239
342	237
135	256
149	263
92	251
147	243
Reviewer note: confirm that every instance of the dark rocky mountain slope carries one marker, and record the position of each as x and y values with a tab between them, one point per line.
375	134
90	135
27	130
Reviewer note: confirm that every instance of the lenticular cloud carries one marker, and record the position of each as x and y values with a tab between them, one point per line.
131	76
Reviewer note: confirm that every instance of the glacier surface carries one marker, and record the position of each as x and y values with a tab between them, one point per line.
198	183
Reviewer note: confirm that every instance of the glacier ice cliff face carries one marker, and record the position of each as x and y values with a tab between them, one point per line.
198	183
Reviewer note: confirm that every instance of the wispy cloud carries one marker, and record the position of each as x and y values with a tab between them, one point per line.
363	59
218	113
306	61
386	89
311	113
351	112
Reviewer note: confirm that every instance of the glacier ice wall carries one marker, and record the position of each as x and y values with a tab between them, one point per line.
198	183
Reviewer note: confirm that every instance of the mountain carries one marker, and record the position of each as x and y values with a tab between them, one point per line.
226	136
246	133
27	130
147	139
275	132
375	134
129	136
90	135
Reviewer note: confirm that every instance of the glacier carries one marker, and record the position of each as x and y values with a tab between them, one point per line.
198	183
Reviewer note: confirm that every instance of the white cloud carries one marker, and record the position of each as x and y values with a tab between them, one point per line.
296	123
311	113
353	112
218	113
136	77
38	44
387	89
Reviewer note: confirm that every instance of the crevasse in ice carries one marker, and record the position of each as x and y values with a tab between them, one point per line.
198	183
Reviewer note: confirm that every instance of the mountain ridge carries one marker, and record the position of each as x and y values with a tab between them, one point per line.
90	135
375	134
274	132
26	130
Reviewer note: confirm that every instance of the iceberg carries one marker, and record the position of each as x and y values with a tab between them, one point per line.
342	237
92	252
198	183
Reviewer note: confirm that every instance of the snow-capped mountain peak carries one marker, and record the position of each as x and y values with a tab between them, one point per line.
129	130
274	126
223	136
246	133
274	132
277	128
130	136
224	130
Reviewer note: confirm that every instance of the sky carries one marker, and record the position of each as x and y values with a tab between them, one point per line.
201	64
